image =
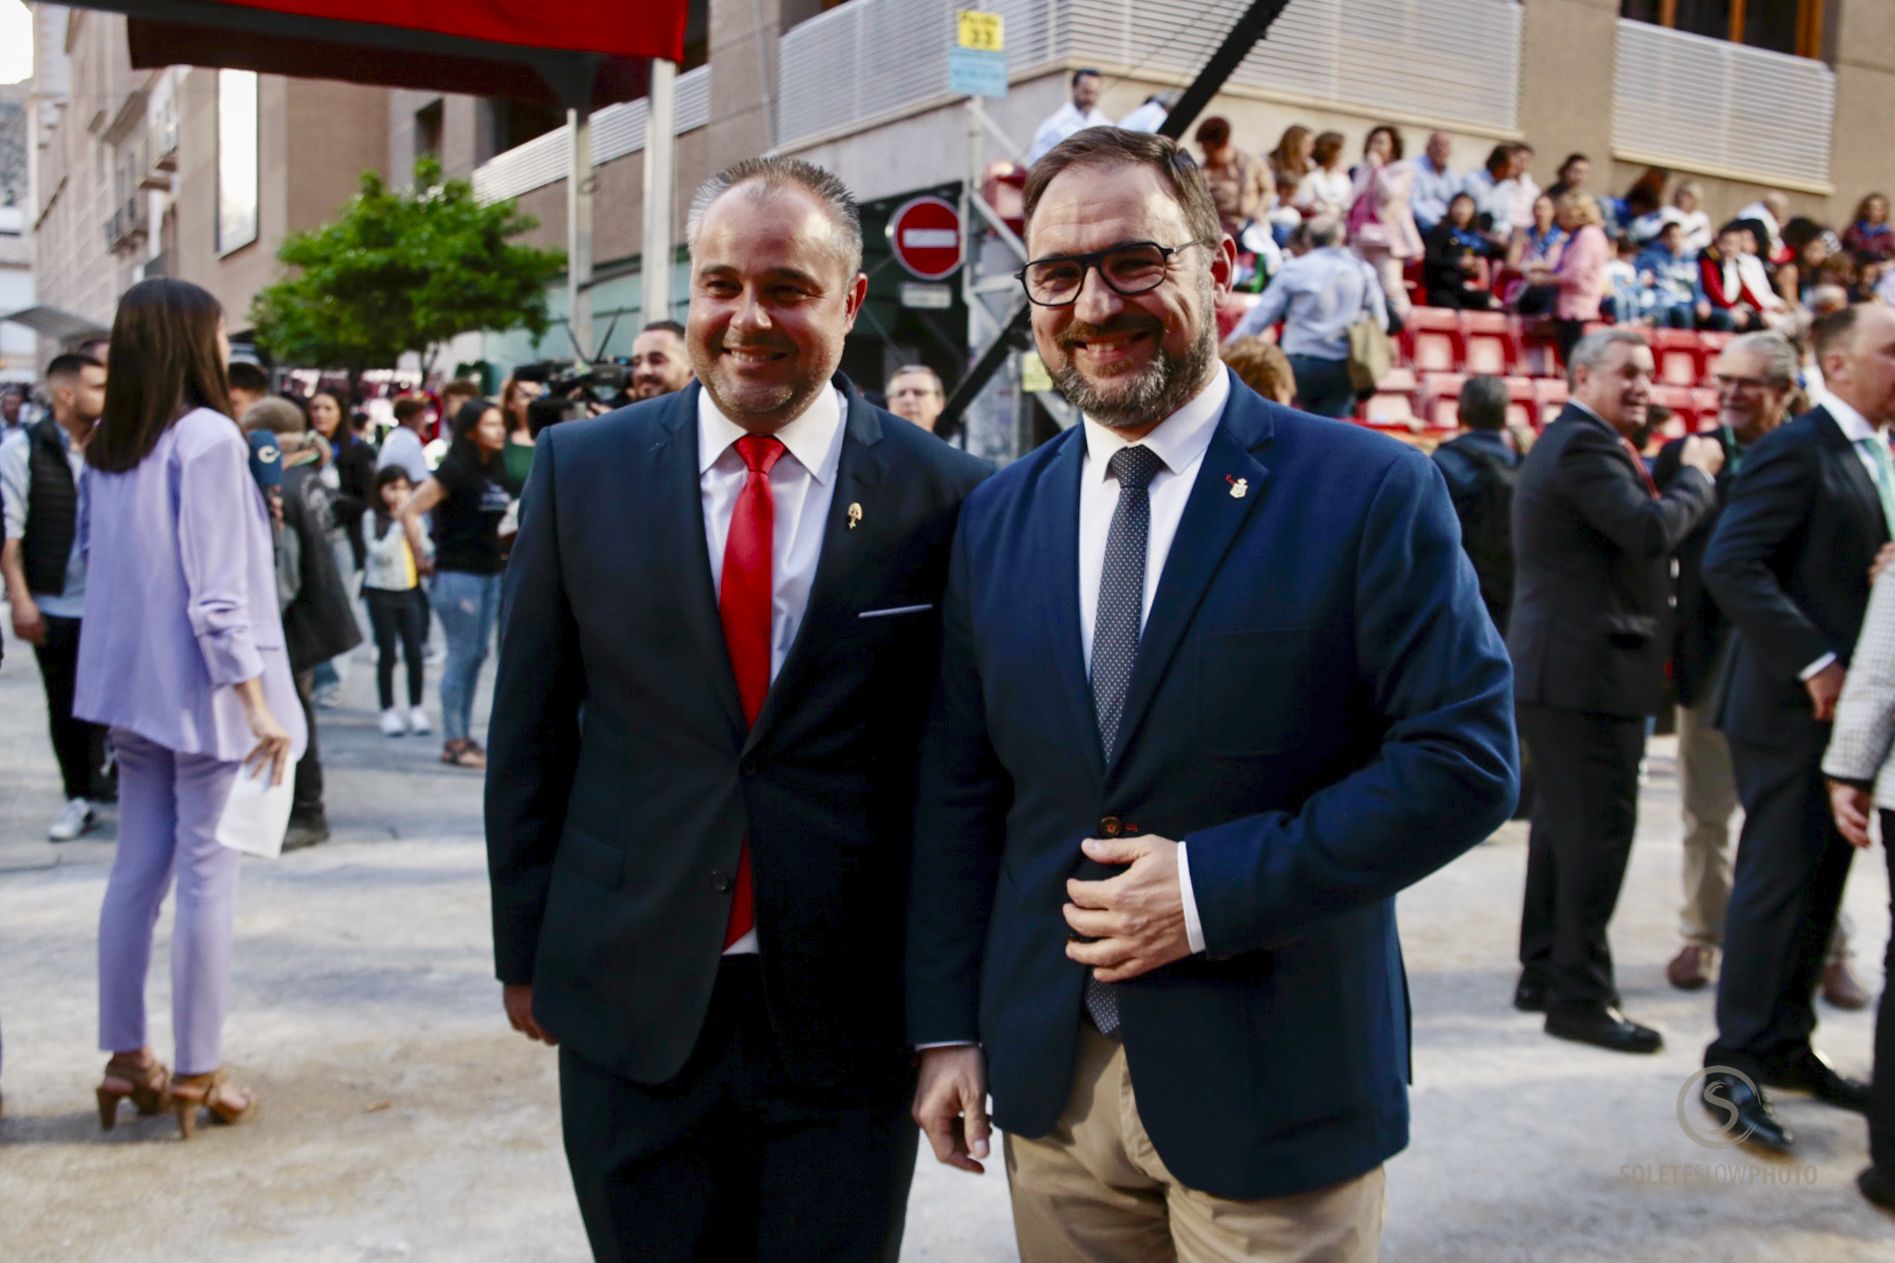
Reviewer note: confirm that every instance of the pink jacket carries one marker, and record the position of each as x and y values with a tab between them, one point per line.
1581	274
1387	222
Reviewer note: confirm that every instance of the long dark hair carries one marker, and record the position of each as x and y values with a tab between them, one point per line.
462	445
164	342
387	476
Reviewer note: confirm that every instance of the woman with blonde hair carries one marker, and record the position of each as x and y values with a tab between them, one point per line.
184	660
1580	276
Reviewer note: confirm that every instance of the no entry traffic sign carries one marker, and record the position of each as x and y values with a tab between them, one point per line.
926	236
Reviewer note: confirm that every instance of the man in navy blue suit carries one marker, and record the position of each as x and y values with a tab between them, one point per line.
1217	684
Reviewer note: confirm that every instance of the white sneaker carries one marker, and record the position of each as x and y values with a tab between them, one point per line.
328	697
75	818
418	722
392	725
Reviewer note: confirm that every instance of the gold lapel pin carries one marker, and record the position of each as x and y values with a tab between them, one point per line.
1239	487
855	516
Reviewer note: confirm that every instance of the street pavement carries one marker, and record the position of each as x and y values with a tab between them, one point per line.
401	1119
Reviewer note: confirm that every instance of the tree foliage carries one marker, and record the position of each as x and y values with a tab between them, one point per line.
404	270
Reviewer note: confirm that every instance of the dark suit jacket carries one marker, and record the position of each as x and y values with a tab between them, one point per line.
1699	628
1592	570
1789	565
621	780
1320	706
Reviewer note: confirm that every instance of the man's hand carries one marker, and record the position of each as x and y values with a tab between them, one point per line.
951	1105
1136	918
1882	557
1851	807
1702	452
1824	688
28	624
517	999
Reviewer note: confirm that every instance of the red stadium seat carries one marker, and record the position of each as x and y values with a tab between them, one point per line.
1549	397
1683	403
1431	339
1681	357
1539	353
1441	399
1487	343
1520	402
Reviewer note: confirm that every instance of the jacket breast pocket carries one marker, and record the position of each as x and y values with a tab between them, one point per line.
1253	690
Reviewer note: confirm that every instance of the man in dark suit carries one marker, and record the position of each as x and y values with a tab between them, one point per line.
718	646
1756	375
1216	685
1593	540
1789	566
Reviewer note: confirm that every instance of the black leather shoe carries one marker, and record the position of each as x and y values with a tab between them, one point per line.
1878	1185
1530	996
1603	1028
1813	1074
1744	1114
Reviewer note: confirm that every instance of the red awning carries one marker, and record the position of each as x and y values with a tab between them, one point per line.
521	49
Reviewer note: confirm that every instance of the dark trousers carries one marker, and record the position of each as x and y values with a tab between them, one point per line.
78	745
732	1160
1585	808
1882	1084
1785	889
398	619
1323	386
306	796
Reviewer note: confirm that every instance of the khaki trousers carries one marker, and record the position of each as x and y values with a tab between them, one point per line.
1094	1189
1708	791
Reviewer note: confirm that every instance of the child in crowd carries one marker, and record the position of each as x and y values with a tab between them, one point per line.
397	608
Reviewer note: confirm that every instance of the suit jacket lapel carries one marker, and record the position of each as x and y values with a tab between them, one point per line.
859	481
1055	577
1868	501
679	534
1212	518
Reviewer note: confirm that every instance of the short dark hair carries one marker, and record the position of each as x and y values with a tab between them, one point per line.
664	326
764	177
409	407
1571	158
70	364
1114	146
244	375
1082	72
1327	146
1395	146
1484	403
1214	130
1831	332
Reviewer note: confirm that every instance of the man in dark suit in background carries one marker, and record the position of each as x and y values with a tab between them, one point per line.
1593	540
1789	566
719	643
1216	685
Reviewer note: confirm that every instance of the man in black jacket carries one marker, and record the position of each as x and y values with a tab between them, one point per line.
719	636
1789	566
46	570
1593	540
318	621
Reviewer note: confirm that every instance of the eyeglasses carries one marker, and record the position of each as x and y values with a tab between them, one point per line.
1726	382
1137	267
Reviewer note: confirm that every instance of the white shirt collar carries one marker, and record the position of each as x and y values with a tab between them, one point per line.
810	438
1855	427
1179	440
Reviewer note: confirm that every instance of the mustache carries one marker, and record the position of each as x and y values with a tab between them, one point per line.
1129	322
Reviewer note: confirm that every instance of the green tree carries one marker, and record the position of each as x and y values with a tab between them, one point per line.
404	270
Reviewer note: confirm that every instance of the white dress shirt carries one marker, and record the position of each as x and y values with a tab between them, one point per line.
802	487
1856	428
1063	123
1180	441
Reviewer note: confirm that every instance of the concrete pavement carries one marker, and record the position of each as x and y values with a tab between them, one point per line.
402	1119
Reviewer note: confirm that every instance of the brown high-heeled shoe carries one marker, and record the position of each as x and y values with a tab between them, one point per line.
193	1092
139	1076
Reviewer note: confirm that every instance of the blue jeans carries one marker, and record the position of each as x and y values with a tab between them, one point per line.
1323	386
467	605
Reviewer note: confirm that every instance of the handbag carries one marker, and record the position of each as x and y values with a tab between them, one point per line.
1371	354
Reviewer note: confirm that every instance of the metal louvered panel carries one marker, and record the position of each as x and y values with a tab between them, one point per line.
617	130
1711	103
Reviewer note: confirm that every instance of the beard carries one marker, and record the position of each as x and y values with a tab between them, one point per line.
1151	393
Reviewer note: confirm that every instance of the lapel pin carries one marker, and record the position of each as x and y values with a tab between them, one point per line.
855	516
1239	487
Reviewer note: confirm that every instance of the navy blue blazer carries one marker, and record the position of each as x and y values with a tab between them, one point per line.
622	780
1320	706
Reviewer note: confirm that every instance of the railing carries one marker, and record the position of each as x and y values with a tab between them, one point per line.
1456	61
617	130
1722	107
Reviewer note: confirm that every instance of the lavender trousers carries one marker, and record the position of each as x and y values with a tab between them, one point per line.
168	807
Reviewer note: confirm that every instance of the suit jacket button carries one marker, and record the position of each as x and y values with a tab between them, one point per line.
720	880
1110	826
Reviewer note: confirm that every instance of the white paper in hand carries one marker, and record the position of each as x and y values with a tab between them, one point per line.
257	815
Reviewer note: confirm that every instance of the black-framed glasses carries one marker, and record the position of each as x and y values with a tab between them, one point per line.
1136	267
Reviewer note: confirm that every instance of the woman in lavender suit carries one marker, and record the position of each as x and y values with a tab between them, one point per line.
183	658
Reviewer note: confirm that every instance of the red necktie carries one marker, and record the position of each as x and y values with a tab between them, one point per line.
743	603
1638	463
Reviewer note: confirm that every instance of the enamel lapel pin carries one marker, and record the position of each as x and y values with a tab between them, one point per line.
1239	487
855	516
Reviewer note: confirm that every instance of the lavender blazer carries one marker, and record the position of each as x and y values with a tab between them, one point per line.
181	596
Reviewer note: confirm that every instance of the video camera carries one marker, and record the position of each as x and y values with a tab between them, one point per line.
604	380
